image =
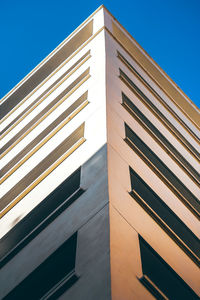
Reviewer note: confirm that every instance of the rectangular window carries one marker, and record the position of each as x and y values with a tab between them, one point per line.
164	216
43	214
159	278
52	278
160	138
167	176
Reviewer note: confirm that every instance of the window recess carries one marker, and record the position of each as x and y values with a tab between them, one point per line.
40	217
160	138
165	217
45	113
42	170
130	84
52	278
162	171
44	137
152	90
45	94
160	279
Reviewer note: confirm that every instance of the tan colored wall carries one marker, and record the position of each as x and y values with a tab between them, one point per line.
127	217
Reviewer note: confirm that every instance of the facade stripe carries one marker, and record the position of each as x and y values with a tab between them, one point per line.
46	79
44	113
52	277
158	272
159	137
42	170
159	115
157	74
165	217
46	93
44	137
40	217
152	288
166	175
158	97
47	68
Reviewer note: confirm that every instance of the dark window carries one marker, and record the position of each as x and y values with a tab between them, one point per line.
139	116
134	71
66	115
43	114
153	161
48	66
45	93
162	276
157	112
46	163
52	277
44	213
164	216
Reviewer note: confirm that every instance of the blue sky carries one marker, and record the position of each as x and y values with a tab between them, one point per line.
169	30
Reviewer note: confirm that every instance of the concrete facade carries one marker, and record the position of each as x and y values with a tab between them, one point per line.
89	217
99	142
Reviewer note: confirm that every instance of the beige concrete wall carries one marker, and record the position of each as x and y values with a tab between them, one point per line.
127	217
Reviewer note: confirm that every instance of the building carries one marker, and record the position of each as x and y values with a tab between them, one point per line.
100	175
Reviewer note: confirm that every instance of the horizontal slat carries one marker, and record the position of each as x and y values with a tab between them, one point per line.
153	161
45	94
159	115
44	213
157	74
134	71
162	275
43	137
160	138
44	113
38	173
49	275
165	217
47	68
152	288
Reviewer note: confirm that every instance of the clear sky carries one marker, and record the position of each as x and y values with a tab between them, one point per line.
169	30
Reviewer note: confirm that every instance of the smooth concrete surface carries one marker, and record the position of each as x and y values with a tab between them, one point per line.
89	216
125	260
92	260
